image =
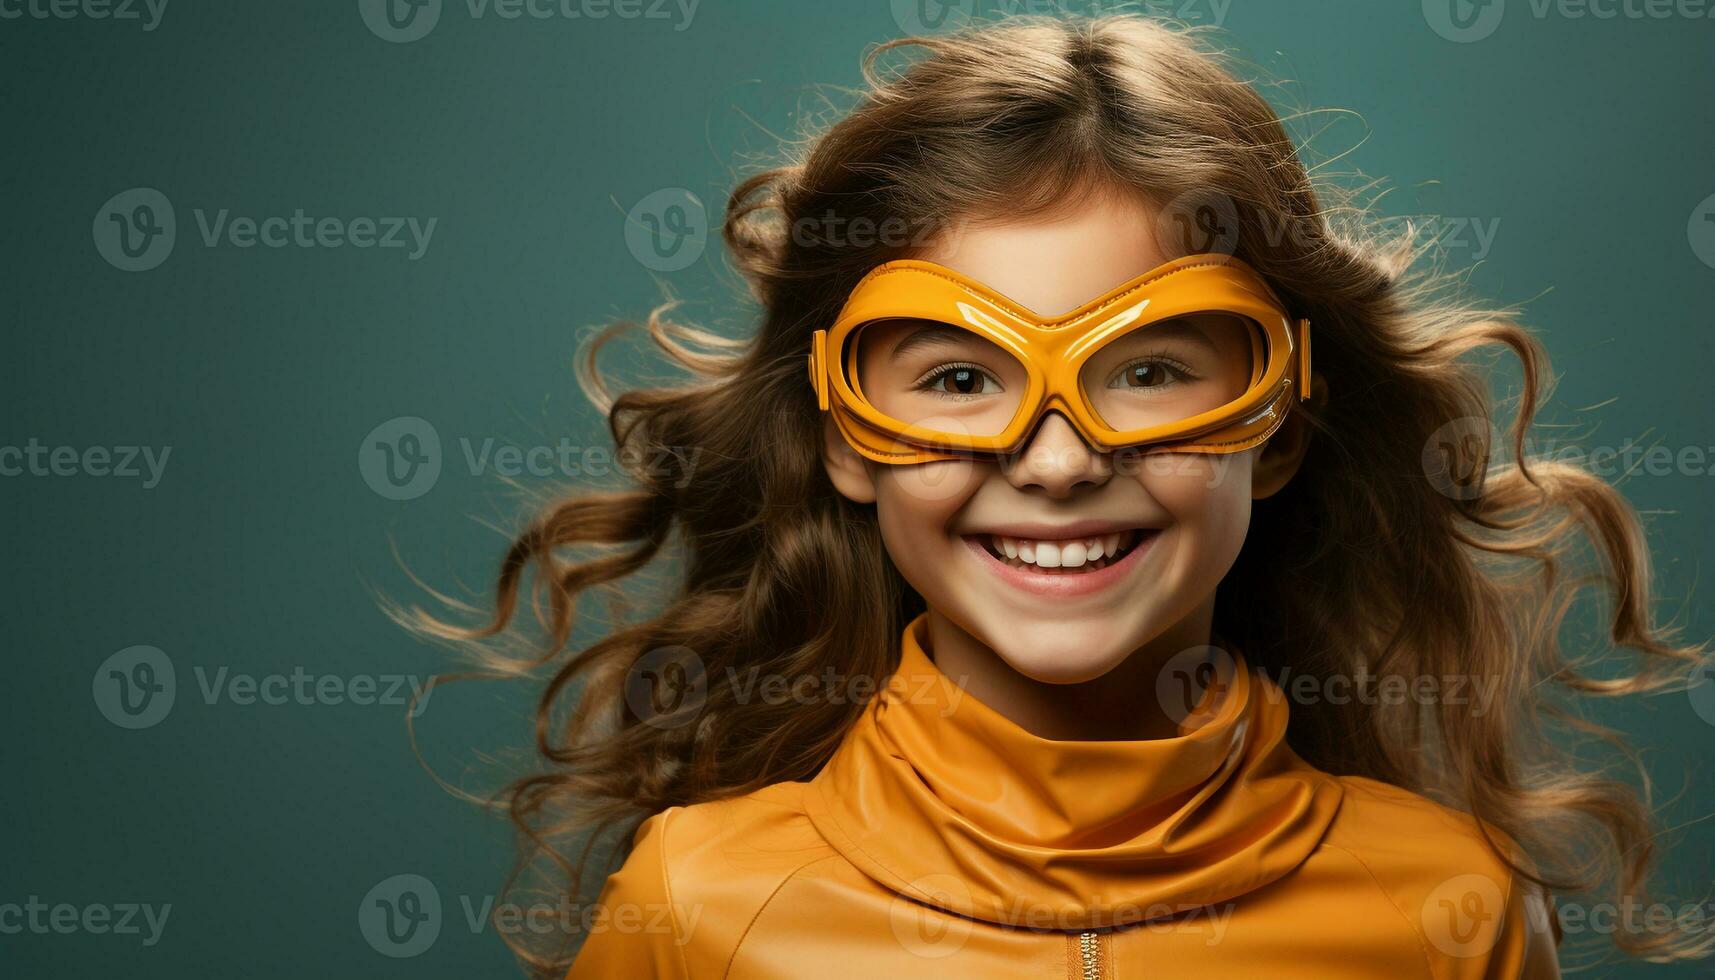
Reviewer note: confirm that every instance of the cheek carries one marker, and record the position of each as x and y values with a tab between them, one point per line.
914	506
1209	499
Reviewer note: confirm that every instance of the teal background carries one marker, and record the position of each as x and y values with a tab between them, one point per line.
262	550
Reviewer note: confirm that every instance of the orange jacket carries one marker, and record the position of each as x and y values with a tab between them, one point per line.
942	840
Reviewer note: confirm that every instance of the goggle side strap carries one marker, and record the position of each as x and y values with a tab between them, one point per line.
818	368
1304	360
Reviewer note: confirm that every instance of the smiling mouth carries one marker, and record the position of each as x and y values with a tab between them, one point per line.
1070	556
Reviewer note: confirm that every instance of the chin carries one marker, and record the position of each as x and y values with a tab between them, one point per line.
1061	651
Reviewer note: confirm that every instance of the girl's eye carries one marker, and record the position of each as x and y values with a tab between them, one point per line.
1147	373
960	379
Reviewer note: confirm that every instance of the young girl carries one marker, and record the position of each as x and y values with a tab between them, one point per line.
1094	566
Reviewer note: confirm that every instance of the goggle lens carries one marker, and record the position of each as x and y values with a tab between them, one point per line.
1171	370
938	376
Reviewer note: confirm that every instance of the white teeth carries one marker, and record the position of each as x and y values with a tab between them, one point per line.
1058	554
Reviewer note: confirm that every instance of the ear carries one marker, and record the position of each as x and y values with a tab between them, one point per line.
1283	453
849	472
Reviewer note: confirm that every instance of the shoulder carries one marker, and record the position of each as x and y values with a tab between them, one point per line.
1406	831
1449	877
696	878
717	849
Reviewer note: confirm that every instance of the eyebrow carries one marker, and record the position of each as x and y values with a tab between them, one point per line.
929	334
932	333
1179	326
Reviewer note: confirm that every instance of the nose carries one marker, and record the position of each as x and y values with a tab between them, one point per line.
1057	461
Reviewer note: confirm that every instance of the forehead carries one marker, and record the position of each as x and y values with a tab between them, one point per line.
1053	264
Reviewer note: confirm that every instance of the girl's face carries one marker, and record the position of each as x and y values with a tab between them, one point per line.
1002	548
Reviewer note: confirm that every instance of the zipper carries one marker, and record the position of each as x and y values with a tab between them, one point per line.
1090	954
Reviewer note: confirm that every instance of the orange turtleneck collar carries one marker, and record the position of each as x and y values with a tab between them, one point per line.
941	798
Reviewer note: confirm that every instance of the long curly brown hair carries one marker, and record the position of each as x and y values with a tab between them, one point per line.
1366	562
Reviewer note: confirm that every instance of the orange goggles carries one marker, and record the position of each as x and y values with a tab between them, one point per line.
1197	356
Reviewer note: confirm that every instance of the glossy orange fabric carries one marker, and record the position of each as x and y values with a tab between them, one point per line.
942	840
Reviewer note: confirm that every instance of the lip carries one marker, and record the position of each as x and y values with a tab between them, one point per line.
1089	527
1067	585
